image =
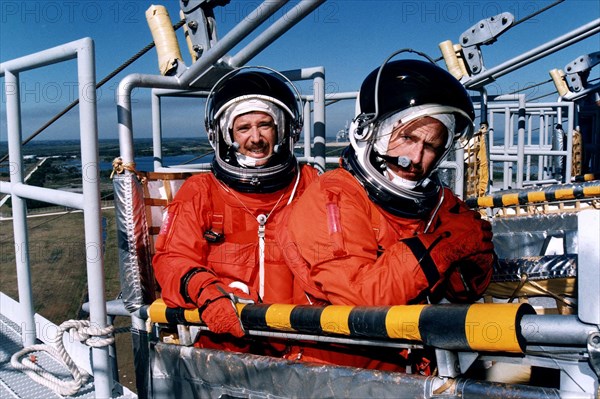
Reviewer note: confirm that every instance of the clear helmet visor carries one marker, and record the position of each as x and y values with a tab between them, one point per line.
245	166
376	145
240	106
243	105
386	128
394	95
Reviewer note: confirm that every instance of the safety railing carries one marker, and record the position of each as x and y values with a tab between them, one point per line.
32	326
535	145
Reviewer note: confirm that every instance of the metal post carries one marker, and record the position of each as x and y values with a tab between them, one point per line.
588	273
306	129
459	179
317	74
528	158
156	131
319	138
19	208
124	116
508	139
541	141
490	145
520	140
141	351
92	211
569	127
507	142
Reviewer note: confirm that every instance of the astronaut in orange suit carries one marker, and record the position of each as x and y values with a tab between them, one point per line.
383	228
217	244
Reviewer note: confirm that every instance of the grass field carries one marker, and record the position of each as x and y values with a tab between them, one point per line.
58	273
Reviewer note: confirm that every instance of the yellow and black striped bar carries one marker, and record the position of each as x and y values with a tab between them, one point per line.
587	177
552	193
159	312
476	327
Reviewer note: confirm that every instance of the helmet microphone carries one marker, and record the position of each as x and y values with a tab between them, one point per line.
402	161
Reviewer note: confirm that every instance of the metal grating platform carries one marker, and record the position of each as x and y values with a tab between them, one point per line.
16	384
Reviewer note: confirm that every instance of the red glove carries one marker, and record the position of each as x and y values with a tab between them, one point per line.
460	240
471	277
217	309
468	236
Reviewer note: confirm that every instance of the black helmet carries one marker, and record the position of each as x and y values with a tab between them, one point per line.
402	91
242	91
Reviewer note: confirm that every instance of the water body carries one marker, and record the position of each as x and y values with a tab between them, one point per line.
146	163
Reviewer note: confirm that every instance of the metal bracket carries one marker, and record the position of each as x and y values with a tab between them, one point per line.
200	20
183	332
451	364
466	360
578	70
447	362
485	31
593	347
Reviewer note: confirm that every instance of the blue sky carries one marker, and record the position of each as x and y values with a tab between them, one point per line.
348	37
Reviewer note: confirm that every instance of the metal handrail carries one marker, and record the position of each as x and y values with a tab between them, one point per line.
88	201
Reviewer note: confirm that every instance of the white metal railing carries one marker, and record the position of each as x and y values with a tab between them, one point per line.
527	149
32	326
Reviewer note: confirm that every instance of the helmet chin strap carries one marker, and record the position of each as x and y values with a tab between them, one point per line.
399	181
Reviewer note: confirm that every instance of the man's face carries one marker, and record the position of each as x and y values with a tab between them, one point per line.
422	141
256	134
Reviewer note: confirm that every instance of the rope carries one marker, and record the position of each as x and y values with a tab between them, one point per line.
80	330
445	388
119	167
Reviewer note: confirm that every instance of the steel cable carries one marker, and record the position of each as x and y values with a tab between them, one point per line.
69	107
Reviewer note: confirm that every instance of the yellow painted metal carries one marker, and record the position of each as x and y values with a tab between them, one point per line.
536	196
192	315
334	319
486	202
278	317
493	328
510	199
158	311
402	322
564	194
591	191
488	327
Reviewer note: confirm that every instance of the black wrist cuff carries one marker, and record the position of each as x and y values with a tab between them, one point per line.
185	280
